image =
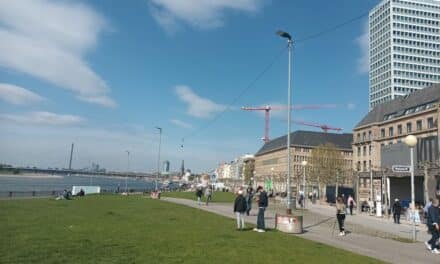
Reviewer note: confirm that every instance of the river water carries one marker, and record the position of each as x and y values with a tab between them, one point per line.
47	184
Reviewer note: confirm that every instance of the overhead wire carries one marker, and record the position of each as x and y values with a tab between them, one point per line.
265	69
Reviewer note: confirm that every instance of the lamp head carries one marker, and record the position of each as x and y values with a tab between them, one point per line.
304	162
411	141
284	34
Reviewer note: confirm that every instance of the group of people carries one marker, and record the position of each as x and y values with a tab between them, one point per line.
208	195
243	204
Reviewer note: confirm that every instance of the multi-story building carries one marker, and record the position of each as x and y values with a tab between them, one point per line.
389	123
404	48
271	159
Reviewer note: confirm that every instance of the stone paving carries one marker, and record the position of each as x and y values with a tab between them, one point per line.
366	235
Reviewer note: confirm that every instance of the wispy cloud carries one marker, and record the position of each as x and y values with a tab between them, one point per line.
363	62
202	14
18	95
49	40
42	118
351	106
197	106
181	123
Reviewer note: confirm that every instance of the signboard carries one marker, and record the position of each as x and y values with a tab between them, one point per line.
401	168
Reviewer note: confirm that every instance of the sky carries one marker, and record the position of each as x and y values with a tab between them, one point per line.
103	74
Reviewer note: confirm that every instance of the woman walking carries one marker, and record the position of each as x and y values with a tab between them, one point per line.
340	215
249	197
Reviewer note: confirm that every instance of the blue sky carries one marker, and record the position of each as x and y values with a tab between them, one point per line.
103	74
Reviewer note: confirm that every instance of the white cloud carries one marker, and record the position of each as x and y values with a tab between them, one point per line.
181	123
202	14
197	106
363	62
42	118
18	95
49	40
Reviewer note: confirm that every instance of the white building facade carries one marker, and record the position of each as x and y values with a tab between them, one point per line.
404	48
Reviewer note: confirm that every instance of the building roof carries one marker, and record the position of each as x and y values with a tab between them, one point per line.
398	106
309	139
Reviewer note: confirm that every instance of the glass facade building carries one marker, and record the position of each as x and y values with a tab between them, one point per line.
404	48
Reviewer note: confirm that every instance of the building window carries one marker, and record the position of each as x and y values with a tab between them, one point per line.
369	165
369	150
359	151
382	132
365	151
358	166
419	125
364	136
391	131
408	128
365	166
399	129
358	137
369	135
430	122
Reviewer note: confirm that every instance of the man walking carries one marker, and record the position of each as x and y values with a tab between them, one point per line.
433	224
208	194
199	194
351	203
239	209
262	202
397	208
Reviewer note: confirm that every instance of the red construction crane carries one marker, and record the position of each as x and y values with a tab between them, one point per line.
325	128
267	109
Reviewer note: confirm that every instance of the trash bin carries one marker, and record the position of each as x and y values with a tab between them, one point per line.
292	224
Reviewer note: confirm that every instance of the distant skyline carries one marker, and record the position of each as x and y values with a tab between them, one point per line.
103	74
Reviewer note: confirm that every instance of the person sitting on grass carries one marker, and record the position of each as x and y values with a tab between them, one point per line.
239	209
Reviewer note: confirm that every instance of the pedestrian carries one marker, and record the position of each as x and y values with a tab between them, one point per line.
199	193
249	197
263	202
351	203
239	209
433	223
301	199
426	208
397	209
208	195
340	215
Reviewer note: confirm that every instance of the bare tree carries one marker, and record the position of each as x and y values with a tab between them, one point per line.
327	166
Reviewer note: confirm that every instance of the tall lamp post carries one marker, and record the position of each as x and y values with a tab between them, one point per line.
411	142
304	164
128	169
289	111
158	156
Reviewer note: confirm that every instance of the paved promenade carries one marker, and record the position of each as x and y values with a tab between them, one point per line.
365	234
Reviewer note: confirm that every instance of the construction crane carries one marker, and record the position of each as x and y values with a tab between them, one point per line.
324	127
268	108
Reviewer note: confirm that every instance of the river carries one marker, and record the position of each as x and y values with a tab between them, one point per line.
22	185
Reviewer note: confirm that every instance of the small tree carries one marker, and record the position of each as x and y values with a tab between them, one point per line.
248	171
327	166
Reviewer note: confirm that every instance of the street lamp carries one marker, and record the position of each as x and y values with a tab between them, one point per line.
304	164
411	142
289	110
158	156
128	169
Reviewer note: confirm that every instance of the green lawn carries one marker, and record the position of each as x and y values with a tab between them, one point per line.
219	197
135	229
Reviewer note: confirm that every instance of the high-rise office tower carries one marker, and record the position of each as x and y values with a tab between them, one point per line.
404	53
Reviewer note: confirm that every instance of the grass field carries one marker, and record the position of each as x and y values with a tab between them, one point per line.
217	197
135	229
